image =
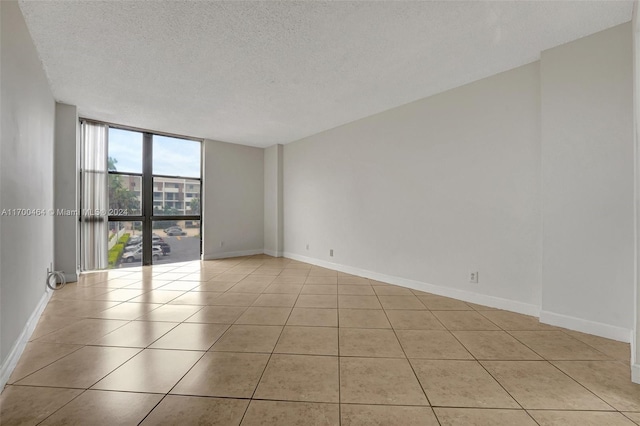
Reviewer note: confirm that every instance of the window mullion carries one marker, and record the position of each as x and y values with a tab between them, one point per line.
147	197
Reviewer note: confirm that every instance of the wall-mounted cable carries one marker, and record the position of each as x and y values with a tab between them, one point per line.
58	280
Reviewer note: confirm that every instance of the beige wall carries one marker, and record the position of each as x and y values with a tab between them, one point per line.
26	181
587	183
67	134
525	177
428	192
635	348
233	207
273	232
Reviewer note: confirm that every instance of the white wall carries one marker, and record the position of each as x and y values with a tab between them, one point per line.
233	200
26	179
273	203
635	343
3	367
588	183
67	135
429	192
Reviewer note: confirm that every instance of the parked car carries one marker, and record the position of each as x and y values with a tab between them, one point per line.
172	227
133	241
175	231
165	247
131	256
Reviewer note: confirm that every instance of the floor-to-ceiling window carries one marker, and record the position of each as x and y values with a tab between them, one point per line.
153	197
125	215
176	197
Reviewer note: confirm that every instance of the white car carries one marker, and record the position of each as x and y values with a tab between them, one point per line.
136	254
175	231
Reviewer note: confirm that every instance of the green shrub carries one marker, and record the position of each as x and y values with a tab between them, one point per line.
116	251
114	255
124	239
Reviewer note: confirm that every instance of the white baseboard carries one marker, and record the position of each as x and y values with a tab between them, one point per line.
273	253
635	373
586	326
224	255
578	324
18	347
467	296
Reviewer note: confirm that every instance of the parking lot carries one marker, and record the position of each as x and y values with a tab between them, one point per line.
183	248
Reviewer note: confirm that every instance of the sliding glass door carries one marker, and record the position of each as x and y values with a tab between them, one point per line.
153	191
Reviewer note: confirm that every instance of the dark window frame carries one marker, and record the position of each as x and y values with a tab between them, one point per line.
147	200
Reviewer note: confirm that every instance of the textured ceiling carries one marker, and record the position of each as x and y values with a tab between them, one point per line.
259	73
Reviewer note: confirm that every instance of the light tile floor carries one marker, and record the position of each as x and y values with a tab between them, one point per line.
265	341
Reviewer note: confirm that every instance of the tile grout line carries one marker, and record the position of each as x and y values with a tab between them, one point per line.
415	375
15	383
339	356
189	370
64	405
268	361
544	359
478	361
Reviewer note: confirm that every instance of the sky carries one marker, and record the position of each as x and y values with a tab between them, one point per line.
171	156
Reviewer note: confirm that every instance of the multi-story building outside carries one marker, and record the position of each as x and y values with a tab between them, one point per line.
179	194
174	196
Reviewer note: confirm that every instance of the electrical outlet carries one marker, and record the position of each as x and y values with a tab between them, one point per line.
473	277
307	246
331	252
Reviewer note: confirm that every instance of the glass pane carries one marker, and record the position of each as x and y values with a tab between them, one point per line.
125	151
125	195
176	157
125	244
176	196
176	241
